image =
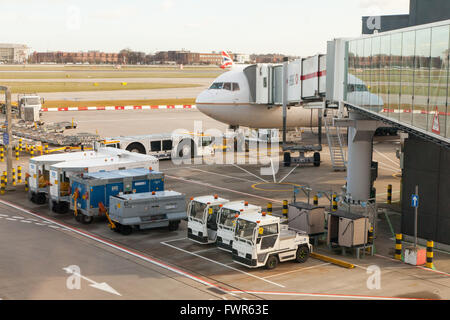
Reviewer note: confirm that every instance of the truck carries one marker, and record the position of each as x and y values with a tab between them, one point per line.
60	173
165	145
202	218
262	240
30	106
226	220
157	209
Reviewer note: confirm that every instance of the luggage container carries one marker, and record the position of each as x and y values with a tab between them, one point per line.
307	218
347	229
226	221
60	173
39	170
90	193
146	211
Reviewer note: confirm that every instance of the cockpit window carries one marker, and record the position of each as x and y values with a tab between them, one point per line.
227	86
235	86
217	85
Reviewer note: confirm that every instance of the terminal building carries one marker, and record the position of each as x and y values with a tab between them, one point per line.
13	53
399	76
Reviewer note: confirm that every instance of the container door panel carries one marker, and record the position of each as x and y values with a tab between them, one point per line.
277	85
157	185
97	195
112	189
262	84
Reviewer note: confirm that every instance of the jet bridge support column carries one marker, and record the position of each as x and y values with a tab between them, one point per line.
360	135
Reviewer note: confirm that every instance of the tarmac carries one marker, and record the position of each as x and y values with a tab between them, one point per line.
162	264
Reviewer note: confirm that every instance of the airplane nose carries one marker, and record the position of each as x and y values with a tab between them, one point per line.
203	97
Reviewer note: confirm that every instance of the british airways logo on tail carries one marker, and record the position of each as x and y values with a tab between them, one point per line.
227	62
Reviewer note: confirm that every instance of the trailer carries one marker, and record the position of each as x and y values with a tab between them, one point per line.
261	240
202	218
156	209
165	145
60	173
39	170
226	220
90	193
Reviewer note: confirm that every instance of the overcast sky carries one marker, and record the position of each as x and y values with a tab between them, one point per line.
295	27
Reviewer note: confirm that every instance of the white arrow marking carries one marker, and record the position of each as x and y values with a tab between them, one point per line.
102	286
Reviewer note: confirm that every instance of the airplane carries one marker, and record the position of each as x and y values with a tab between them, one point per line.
228	100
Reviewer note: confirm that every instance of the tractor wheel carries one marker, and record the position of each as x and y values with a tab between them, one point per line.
302	254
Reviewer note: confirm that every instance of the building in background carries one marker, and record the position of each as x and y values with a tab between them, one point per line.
420	12
13	53
91	57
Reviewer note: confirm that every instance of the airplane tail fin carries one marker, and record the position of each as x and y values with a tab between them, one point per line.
227	62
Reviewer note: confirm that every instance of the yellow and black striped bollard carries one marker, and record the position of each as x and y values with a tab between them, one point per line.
3	185
389	194
32	151
5	177
16	148
46	149
316	200
26	183
398	246
334	203
430	245
269	208
13	176
19	174
285	208
371	235
21	144
2	154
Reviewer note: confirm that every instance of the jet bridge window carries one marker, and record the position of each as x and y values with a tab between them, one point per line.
217	85
236	86
227	86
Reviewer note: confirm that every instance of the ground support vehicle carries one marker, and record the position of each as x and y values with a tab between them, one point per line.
202	218
226	220
261	240
146	211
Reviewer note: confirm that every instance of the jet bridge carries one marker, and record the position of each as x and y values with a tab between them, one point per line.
306	81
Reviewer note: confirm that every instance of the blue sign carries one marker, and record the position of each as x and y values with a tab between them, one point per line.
414	201
5	138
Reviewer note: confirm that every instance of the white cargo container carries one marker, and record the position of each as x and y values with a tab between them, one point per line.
39	170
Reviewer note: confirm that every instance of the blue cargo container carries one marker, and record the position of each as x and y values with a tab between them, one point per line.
87	191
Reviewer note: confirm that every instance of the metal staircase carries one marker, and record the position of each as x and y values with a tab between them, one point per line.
335	143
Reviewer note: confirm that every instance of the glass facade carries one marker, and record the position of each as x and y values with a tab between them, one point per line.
403	75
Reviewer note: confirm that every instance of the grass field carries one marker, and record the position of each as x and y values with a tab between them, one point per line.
107	74
154	102
31	87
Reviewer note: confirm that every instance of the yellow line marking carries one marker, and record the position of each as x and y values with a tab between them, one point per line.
254	186
332	260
